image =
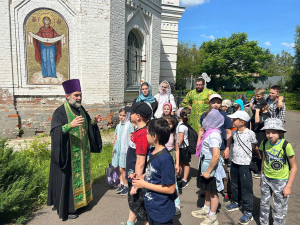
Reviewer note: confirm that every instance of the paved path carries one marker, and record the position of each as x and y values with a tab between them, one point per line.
108	208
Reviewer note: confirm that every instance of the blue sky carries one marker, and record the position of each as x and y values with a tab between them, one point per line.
270	22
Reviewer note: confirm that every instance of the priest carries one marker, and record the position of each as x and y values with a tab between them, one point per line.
74	135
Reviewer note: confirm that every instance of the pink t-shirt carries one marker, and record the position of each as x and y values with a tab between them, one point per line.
170	144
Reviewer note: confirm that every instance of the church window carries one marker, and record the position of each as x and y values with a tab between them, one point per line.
134	57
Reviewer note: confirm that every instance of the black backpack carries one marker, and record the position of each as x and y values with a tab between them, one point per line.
284	150
193	138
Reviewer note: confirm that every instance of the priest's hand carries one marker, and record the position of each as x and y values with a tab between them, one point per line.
97	118
78	121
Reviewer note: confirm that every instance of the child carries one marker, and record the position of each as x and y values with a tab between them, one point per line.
175	155
226	106
123	131
274	103
260	93
262	113
239	105
182	144
210	172
241	178
159	179
278	172
215	101
136	161
167	110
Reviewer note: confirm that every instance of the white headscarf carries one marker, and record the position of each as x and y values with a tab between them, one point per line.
125	137
165	96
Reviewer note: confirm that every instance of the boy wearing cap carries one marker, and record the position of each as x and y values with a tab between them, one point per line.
226	106
278	172
136	161
244	141
261	114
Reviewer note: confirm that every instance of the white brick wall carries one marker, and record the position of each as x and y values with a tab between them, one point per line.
117	52
98	32
5	46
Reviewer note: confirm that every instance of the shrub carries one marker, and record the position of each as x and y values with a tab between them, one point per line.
24	177
23	181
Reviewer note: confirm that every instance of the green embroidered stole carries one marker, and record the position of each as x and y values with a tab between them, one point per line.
80	160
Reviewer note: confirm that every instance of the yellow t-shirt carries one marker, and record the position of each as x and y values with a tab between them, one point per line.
275	165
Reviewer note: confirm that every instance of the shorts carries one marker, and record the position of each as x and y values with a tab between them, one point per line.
136	204
204	184
184	155
151	222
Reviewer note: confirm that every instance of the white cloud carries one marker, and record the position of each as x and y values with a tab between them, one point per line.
291	45
216	31
267	43
210	37
192	2
226	31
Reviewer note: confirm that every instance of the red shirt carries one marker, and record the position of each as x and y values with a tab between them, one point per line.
139	138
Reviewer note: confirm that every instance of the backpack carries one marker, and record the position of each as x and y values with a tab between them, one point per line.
284	150
193	138
112	175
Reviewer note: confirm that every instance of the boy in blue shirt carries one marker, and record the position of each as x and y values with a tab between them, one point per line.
159	179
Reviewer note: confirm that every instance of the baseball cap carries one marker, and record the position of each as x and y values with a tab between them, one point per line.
261	103
240	115
142	108
214	96
227	103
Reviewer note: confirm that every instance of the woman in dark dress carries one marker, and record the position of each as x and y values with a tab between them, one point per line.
145	95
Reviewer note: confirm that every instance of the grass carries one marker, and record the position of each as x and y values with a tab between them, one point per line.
100	162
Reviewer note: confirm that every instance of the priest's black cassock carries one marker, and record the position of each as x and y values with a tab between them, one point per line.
60	190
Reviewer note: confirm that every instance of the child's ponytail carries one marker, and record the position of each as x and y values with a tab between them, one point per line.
184	117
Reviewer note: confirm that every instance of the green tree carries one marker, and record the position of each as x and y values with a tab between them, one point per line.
294	83
225	58
280	65
188	58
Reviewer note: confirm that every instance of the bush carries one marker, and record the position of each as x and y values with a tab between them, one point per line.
24	177
23	180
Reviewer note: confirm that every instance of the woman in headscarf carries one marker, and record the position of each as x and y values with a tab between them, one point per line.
164	96
145	95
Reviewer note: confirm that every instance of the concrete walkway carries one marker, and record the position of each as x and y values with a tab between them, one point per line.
108	208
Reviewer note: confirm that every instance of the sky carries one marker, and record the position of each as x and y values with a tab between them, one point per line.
270	22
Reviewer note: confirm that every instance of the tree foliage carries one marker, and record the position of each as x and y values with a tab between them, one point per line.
294	82
280	64
236	55
188	57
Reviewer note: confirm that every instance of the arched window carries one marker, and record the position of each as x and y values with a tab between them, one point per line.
134	57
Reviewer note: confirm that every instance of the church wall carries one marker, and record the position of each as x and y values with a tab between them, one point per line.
145	15
28	108
171	14
117	52
97	39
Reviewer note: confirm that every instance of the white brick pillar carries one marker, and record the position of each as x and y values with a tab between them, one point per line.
171	14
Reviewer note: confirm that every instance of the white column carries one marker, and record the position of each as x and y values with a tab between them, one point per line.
171	14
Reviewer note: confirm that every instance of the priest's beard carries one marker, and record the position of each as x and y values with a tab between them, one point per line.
74	103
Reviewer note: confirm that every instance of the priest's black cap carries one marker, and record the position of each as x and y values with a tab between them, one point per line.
142	108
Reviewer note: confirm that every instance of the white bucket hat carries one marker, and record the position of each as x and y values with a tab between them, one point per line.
273	124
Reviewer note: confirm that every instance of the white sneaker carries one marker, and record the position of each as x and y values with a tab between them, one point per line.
200	213
210	220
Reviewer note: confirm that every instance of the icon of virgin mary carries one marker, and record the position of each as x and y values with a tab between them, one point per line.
47	44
